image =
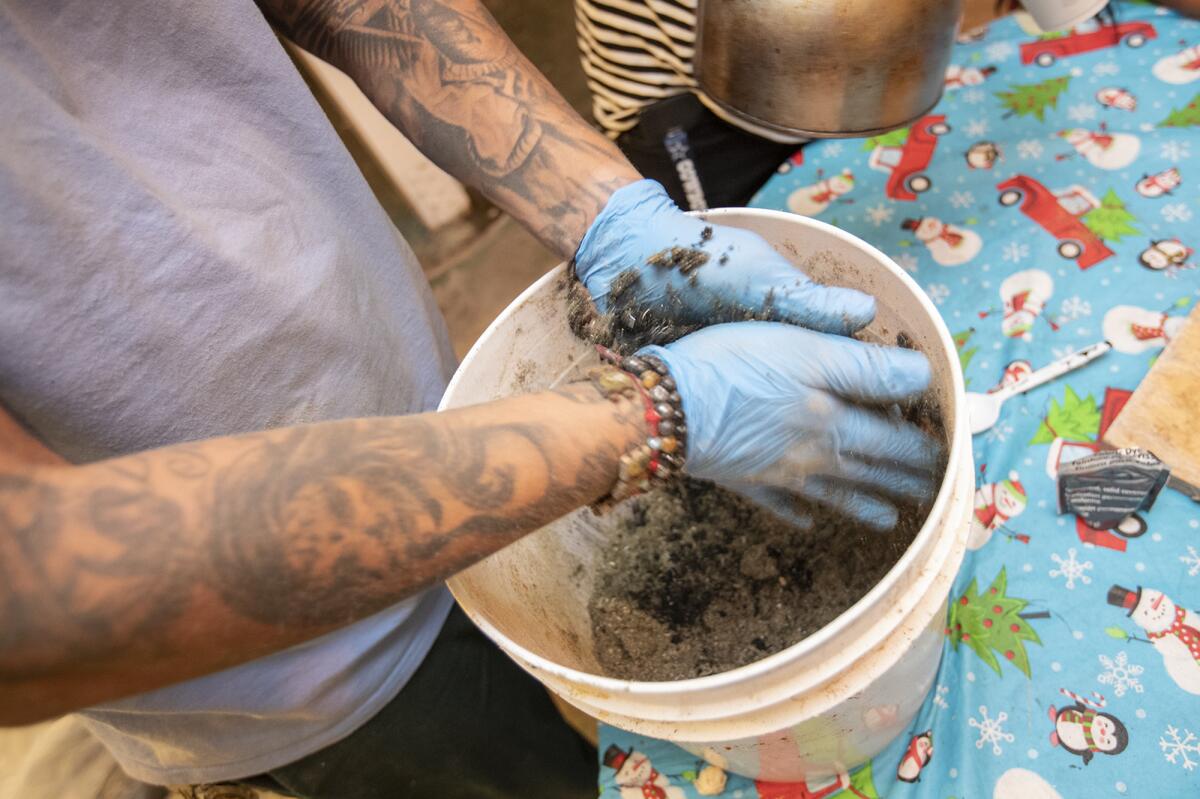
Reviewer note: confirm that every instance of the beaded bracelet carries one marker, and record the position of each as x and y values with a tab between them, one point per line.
662	456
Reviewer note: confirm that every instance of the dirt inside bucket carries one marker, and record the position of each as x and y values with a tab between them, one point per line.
696	580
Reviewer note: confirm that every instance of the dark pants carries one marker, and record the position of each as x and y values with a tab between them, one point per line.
702	160
470	724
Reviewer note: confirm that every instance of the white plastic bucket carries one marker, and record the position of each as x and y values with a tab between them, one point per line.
1053	15
822	706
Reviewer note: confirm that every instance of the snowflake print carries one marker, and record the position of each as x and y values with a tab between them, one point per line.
1106	68
1192	561
1073	308
977	127
1081	112
1063	351
972	96
907	262
1181	743
999	51
1176	151
938	292
1120	674
1176	212
1015	251
999	432
991	730
878	214
939	697
1071	568
833	148
1030	148
962	199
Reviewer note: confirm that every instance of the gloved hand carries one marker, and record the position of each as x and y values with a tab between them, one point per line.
774	411
641	224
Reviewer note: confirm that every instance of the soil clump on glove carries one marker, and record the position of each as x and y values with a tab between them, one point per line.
627	327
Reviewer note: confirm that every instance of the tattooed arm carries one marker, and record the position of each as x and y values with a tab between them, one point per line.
128	574
447	76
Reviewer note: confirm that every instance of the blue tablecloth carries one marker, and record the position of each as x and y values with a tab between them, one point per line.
1047	203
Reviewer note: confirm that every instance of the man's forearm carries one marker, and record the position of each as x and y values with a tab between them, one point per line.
448	77
128	574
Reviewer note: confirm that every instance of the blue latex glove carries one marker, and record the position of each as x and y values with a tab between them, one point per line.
775	411
743	271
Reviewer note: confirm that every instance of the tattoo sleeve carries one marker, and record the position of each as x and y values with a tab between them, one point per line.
446	75
124	575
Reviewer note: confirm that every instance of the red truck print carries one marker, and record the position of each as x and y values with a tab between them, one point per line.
1045	52
905	164
1075	240
1063	451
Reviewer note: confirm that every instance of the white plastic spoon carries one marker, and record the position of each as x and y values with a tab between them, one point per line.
984	409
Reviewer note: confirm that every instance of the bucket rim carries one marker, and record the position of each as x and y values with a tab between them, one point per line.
596	684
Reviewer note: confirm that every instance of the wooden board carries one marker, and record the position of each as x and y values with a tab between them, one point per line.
1163	415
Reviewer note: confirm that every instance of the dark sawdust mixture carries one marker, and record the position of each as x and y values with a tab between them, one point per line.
697	580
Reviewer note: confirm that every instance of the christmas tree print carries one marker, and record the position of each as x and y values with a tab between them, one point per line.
1111	221
893	138
965	355
991	623
1184	117
1073	419
1024	99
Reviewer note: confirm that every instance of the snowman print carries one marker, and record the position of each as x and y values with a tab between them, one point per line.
1160	184
958	76
1120	99
1024	295
812	200
1014	373
1173	630
1085	730
995	505
637	778
1179	68
1020	783
948	245
1132	330
1103	149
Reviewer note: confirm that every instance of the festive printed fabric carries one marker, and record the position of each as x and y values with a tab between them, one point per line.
1048	202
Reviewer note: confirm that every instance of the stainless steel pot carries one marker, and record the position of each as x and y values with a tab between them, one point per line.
825	68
